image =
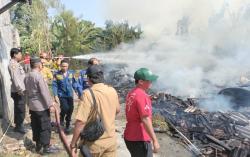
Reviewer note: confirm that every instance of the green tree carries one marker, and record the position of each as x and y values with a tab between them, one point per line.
74	36
117	33
90	40
65	31
21	19
40	36
33	24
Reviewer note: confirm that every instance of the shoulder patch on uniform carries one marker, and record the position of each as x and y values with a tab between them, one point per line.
59	77
76	75
70	75
13	66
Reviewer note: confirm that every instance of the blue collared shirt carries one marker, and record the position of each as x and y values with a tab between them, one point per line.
82	83
63	85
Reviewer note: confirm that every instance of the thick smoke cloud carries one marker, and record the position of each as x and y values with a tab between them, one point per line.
209	51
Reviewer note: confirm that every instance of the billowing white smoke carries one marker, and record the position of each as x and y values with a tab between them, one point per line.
209	48
216	103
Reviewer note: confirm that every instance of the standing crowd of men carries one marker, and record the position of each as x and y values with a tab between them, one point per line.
32	88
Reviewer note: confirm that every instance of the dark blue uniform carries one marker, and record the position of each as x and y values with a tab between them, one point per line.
62	86
82	83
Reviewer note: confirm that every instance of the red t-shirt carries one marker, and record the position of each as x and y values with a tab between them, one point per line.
138	104
27	59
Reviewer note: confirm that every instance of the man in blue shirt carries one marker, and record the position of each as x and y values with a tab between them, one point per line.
82	83
62	86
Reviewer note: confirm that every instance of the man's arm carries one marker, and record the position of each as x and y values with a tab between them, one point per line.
118	108
77	87
54	86
145	113
44	90
15	79
79	125
55	89
117	102
81	118
149	128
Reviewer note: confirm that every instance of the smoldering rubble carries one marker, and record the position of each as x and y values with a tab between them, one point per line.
205	133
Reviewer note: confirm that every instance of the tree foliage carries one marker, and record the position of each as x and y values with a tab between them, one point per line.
65	33
33	24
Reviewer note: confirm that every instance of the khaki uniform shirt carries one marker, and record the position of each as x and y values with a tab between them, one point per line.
107	103
37	91
17	76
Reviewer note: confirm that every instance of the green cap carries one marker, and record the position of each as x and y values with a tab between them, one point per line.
145	74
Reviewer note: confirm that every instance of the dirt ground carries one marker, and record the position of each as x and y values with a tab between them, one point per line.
17	145
170	147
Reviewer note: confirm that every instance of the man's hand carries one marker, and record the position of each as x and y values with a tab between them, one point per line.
80	97
147	122
73	150
156	146
52	109
57	99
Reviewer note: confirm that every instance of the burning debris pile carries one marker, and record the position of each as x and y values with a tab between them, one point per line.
120	80
225	134
213	133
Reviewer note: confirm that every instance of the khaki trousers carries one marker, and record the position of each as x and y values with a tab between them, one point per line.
101	151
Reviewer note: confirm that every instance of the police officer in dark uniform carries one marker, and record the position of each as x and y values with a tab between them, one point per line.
62	87
17	75
40	105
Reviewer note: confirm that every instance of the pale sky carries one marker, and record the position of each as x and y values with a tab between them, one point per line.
91	10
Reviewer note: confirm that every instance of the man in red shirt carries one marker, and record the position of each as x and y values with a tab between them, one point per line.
139	132
27	62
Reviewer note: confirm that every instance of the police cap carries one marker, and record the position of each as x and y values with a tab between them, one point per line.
34	60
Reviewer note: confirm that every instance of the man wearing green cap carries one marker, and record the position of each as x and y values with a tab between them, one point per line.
139	133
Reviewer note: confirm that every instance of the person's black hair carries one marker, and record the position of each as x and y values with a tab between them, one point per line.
64	61
96	78
91	61
35	62
136	82
14	51
34	65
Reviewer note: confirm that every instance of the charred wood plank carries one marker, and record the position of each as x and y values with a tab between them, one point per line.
243	131
214	146
240	152
218	142
192	147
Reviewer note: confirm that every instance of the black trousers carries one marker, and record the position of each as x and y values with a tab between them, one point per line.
41	127
67	107
139	148
19	108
